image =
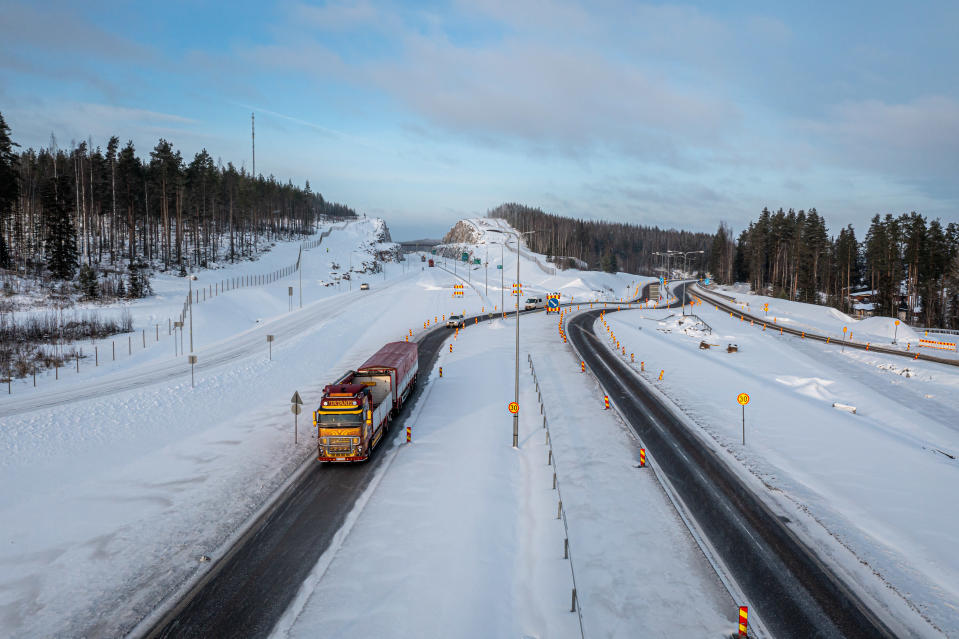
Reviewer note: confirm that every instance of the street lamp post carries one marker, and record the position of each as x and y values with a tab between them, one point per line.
502	275
516	378
686	275
192	277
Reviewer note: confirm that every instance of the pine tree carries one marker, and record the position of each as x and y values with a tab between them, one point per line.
61	236
9	185
87	281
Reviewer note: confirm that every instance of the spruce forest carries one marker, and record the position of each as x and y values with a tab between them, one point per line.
96	213
607	246
910	264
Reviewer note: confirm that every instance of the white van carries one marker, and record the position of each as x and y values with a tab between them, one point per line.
534	303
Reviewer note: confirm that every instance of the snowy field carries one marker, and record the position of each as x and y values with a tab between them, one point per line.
830	322
873	491
461	539
117	479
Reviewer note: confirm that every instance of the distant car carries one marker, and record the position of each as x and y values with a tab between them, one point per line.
364	286
456	321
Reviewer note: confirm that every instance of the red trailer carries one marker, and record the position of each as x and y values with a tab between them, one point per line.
355	412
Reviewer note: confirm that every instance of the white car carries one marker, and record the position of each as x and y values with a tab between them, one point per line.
534	303
456	321
364	286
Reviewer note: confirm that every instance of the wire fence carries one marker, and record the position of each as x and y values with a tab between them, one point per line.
148	338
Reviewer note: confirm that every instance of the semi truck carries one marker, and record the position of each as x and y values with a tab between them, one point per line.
355	411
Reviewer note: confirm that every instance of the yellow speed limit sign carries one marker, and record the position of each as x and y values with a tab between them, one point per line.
513	407
742	398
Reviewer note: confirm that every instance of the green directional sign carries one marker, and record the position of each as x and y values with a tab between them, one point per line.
466	257
433	251
477	260
499	266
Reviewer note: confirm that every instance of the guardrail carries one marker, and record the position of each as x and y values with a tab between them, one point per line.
575	605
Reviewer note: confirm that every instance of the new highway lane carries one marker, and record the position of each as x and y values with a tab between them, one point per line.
795	594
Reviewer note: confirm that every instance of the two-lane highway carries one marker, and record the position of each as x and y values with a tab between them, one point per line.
795	594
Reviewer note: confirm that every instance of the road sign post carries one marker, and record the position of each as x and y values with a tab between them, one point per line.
192	359
269	340
296	406
743	399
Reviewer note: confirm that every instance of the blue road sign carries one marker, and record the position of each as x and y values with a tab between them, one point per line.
552	303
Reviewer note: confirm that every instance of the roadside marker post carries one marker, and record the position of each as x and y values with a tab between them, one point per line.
582	366
192	359
642	457
296	407
409	434
661	373
743	399
441	371
606	401
743	624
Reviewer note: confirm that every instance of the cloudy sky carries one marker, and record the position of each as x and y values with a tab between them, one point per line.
678	115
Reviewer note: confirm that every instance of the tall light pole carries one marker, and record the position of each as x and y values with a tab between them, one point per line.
516	378
502	275
192	277
686	275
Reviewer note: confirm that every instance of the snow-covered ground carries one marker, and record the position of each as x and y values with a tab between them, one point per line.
875	491
117	479
462	536
830	321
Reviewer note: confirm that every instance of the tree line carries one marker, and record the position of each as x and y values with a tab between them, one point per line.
607	246
111	209
910	263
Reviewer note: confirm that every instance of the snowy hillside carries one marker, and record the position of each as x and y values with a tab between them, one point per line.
119	478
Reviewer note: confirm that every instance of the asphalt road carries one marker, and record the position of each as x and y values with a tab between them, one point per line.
793	592
254	584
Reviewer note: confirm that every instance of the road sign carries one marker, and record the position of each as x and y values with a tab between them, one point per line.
552	304
742	398
465	257
499	266
477	260
513	407
296	398
296	409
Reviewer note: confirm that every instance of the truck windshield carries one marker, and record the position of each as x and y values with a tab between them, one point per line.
337	420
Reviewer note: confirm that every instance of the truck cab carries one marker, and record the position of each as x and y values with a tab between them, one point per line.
343	422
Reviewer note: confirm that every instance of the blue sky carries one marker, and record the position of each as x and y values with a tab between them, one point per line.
679	115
